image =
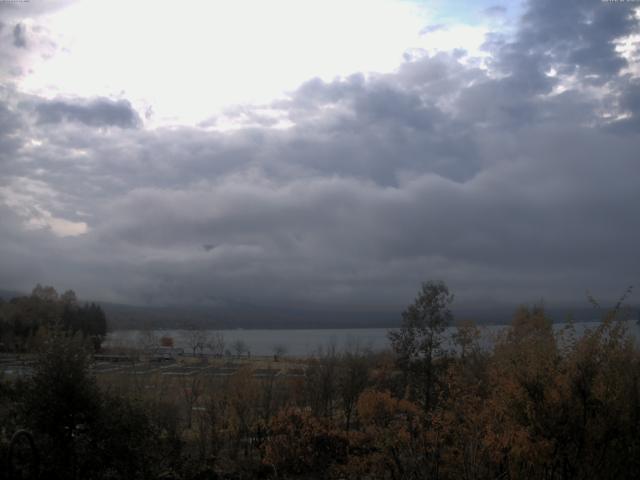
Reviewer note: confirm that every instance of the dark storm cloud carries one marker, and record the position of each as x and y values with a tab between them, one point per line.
573	36
370	103
508	182
382	126
96	113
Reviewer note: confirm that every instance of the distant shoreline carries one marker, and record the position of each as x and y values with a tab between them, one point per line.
330	327
305	341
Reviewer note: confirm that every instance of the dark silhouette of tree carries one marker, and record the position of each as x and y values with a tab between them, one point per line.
61	398
81	431
23	317
419	341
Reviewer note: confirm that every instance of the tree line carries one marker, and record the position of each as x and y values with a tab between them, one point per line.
23	318
538	404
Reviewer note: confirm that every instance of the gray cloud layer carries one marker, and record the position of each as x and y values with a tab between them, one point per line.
510	183
95	113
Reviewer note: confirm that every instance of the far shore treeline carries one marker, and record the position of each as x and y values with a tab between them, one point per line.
22	318
246	315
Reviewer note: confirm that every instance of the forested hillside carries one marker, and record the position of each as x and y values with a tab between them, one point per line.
23	318
537	405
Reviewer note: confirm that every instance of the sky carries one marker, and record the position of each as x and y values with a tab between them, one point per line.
333	153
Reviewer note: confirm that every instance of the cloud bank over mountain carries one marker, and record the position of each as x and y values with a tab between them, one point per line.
511	173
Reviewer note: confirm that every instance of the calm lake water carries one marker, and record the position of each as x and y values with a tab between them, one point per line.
308	342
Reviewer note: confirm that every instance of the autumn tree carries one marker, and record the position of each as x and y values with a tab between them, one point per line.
22	317
466	337
321	381
192	389
46	293
69	298
243	407
209	424
302	444
353	378
392	443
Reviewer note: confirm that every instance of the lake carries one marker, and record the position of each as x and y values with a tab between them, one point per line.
307	342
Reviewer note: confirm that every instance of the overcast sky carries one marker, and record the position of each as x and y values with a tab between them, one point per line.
327	152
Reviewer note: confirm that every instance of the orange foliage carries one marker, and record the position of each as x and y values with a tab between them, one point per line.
301	443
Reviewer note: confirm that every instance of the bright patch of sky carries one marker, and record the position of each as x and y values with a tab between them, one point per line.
472	12
30	200
184	63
